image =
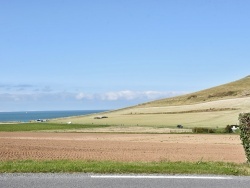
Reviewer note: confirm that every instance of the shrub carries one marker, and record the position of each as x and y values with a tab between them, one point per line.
223	94
228	129
244	125
203	130
192	97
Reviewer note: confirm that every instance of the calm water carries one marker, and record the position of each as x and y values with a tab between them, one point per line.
34	115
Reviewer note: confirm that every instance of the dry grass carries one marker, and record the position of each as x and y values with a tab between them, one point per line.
169	117
236	89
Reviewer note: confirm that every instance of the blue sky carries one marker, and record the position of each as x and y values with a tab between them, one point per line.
81	54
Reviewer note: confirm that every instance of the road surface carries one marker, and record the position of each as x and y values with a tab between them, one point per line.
80	180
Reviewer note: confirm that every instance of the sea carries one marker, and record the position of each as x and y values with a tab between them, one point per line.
35	115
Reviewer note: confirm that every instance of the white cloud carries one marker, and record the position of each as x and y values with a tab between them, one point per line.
81	96
28	92
113	96
35	96
71	100
127	95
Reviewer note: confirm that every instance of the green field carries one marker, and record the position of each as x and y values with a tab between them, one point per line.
44	127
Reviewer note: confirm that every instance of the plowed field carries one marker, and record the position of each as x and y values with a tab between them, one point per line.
120	147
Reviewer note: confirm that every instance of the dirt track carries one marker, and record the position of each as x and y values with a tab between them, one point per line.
121	147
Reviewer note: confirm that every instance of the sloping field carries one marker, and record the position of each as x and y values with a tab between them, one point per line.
210	114
120	147
237	89
214	107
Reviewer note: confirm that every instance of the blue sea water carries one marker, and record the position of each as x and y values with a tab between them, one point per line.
34	115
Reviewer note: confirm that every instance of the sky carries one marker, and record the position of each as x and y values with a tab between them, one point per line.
87	55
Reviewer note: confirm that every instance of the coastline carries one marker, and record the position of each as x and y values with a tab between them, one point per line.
27	116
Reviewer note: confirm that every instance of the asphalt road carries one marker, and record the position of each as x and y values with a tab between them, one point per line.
78	180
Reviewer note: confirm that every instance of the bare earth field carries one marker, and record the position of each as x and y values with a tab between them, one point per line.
120	147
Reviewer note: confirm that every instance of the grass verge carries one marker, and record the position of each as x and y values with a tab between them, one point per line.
165	167
44	126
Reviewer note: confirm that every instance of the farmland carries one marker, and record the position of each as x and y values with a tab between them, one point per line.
210	114
120	147
136	135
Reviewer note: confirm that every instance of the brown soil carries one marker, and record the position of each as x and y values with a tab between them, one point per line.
121	147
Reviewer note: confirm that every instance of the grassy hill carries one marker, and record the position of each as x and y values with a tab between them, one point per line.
215	107
236	89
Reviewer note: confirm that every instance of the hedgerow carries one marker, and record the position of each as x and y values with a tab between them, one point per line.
244	125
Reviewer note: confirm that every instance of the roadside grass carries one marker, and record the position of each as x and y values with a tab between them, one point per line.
44	126
164	167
